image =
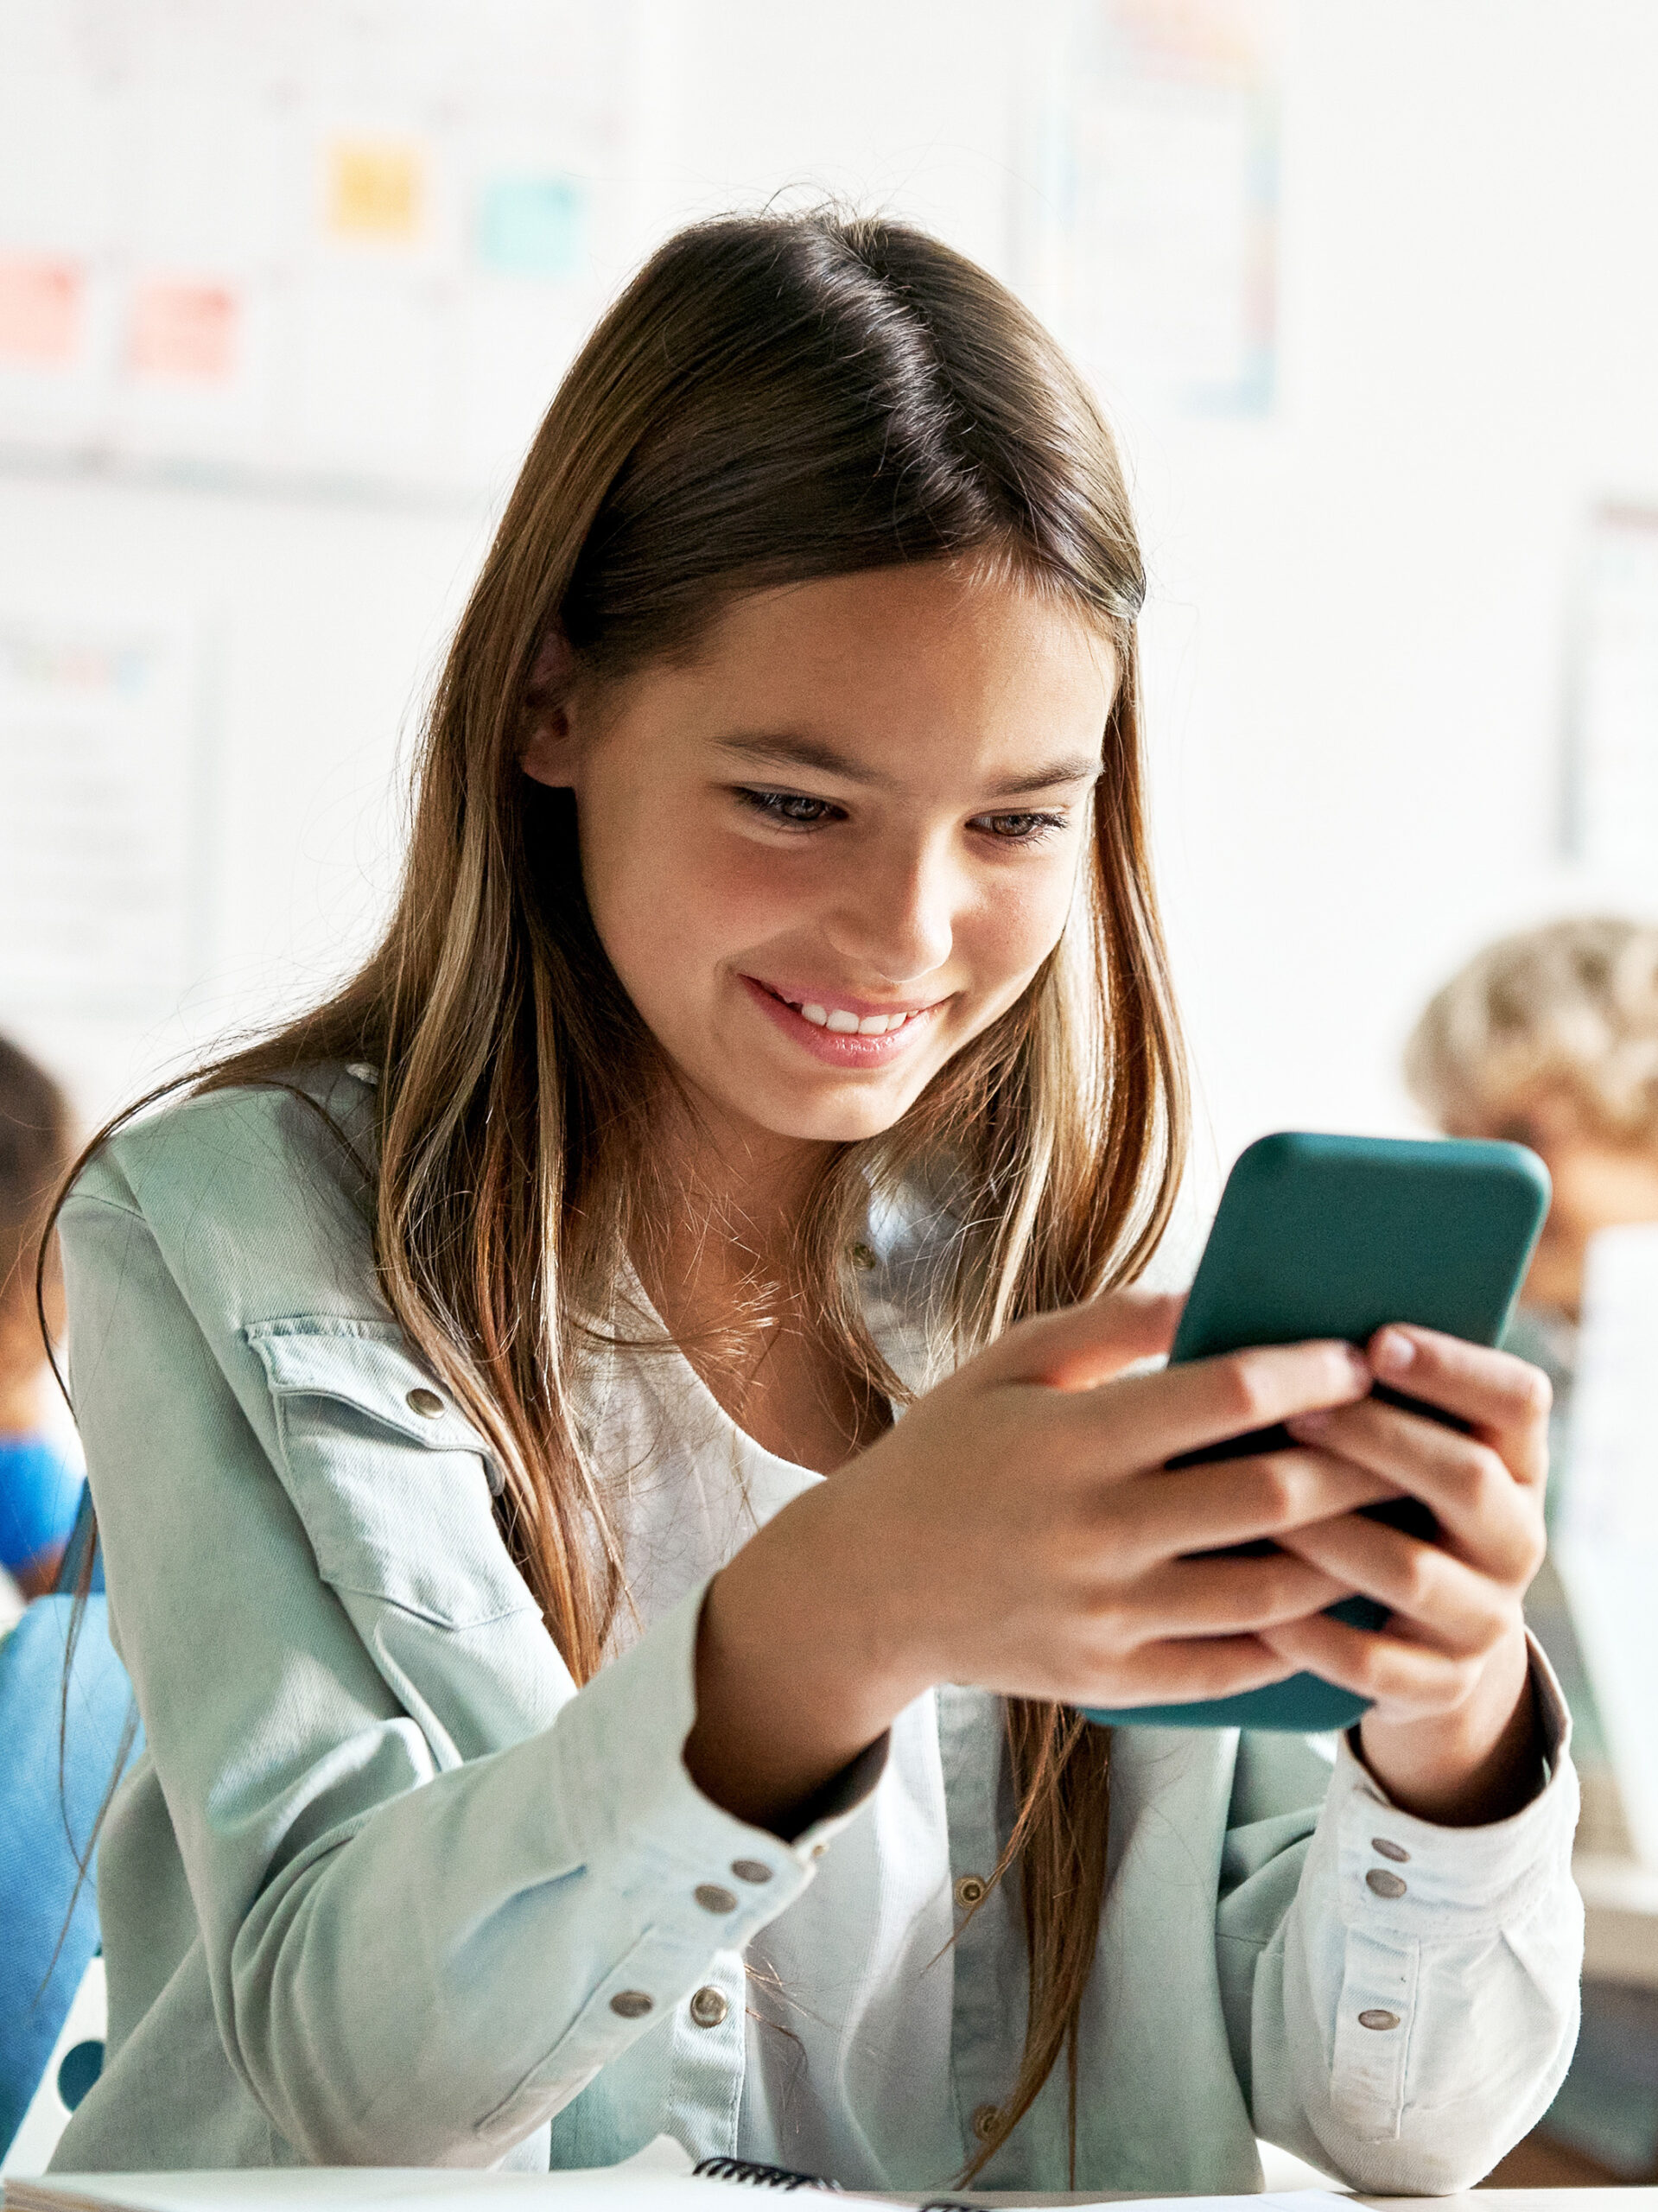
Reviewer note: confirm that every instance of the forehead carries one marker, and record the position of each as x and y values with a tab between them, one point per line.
902	663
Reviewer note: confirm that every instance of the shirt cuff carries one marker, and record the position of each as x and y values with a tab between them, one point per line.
621	1743
1401	1877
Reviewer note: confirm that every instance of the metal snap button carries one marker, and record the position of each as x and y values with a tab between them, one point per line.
1378	2019
985	2122
970	1891
425	1402
708	2007
713	1898
1384	1884
632	2004
1397	1852
750	1870
863	1257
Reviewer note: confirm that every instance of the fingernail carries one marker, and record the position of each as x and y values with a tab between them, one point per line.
1392	1351
1308	1427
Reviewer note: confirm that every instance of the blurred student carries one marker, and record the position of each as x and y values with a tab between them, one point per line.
40	1485
1551	1038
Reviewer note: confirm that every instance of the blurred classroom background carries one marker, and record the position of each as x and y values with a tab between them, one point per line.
1369	293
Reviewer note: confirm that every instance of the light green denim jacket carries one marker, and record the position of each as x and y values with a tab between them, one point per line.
386	1887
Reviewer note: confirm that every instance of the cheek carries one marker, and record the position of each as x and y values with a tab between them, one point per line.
671	903
1010	931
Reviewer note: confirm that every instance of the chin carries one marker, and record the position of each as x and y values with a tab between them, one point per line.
828	1121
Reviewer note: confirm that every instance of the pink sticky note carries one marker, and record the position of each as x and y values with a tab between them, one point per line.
183	332
40	309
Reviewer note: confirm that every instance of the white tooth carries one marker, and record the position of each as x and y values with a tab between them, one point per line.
842	1022
873	1025
818	1016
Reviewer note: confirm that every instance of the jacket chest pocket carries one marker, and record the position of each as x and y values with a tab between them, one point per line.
392	1483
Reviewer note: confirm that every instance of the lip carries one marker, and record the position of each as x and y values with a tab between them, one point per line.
839	1048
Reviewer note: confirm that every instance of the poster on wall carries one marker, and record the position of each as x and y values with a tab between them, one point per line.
1612	796
101	793
350	245
1150	242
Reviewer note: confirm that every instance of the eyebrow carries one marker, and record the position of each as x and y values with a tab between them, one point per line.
810	754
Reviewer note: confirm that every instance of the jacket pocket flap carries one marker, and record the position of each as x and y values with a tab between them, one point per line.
391	1482
368	1366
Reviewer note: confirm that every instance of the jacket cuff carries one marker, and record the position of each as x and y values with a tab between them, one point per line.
621	1744
1400	1877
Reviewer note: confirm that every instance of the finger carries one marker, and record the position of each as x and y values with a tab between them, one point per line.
1387	1670
1505	1398
1086	1344
1159	1516
1488	1517
1226	1597
1185	1672
1455	1608
1143	1419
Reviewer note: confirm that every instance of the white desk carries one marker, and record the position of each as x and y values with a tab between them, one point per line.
1476	2200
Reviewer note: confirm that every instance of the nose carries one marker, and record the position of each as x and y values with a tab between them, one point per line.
896	918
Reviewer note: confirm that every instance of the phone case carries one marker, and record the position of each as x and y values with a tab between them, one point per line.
1334	1236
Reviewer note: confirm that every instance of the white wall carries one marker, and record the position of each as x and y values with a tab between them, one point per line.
1358	631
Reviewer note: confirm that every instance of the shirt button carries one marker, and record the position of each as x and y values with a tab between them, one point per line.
1378	2019
425	1402
708	2007
713	1898
1385	1886
1397	1852
750	1870
985	2121
863	1257
970	1891
632	2004
819	1849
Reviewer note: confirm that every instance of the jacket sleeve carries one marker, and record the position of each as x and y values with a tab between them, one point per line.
416	1954
1401	1998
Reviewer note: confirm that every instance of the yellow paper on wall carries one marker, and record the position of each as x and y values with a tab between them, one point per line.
375	189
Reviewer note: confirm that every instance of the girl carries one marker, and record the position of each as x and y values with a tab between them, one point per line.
40	1490
773	1033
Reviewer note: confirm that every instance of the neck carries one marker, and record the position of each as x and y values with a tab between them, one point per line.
736	1194
21	1404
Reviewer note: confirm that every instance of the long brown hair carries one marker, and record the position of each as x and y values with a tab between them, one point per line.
772	399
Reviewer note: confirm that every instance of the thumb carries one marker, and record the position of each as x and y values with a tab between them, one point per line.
1088	1344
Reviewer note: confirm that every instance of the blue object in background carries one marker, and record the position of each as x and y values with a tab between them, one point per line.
40	1490
533	226
44	1802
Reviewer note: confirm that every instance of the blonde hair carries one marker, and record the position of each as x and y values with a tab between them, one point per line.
1565	1014
773	398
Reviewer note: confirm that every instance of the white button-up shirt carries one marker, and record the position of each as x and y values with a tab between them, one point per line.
387	1887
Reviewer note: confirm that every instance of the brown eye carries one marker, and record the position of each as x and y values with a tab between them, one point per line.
1021	828
792	808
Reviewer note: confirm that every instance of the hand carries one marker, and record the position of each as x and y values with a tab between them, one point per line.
1452	1733
1017	1529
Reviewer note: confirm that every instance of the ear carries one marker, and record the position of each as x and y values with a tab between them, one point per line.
547	752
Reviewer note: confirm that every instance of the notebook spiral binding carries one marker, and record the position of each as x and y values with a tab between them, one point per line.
757	2175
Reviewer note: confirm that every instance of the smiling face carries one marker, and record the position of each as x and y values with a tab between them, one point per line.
832	848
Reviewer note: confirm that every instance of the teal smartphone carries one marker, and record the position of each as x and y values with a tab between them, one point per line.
1333	1236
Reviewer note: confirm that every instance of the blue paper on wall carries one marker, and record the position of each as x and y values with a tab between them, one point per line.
532	226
